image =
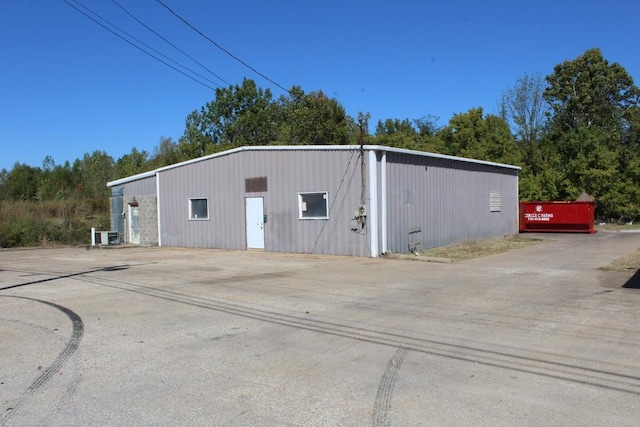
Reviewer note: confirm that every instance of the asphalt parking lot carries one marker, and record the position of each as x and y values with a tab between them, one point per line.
171	336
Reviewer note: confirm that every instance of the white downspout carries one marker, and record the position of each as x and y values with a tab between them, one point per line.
517	202
158	208
372	209
383	201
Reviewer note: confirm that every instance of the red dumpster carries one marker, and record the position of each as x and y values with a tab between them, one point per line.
553	217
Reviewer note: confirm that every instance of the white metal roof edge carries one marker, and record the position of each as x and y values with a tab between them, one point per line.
305	148
440	156
121	181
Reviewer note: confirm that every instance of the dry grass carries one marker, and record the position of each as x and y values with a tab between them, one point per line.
618	227
480	248
627	263
61	222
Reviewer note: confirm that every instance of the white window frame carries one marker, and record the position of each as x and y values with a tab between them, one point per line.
301	206
191	213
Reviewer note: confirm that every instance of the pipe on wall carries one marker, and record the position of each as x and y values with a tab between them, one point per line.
158	209
373	203
383	202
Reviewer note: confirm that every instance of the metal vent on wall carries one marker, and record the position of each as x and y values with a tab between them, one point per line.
495	202
255	185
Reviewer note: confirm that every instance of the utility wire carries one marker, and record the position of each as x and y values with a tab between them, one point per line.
144	44
333	204
138	47
220	47
169	43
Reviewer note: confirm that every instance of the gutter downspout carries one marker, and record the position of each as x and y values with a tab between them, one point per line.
158	208
517	230
383	201
373	203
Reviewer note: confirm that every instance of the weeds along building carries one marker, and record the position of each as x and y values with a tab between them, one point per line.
339	200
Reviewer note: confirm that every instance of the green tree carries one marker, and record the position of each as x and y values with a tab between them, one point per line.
311	119
248	115
45	186
474	135
594	129
239	115
131	164
56	181
524	108
167	152
198	139
4	184
418	134
396	133
427	126
23	182
95	170
63	180
589	161
589	91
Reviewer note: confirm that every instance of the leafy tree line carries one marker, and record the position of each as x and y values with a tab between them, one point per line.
576	130
587	140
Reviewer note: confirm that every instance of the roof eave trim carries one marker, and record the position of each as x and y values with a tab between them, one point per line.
127	179
307	148
440	156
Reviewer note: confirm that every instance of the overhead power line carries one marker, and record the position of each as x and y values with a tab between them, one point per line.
220	47
169	43
138	47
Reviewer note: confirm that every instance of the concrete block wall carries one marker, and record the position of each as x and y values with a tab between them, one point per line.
148	219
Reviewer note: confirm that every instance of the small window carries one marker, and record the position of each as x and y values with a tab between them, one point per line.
313	205
198	209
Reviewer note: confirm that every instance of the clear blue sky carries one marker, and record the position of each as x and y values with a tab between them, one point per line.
69	87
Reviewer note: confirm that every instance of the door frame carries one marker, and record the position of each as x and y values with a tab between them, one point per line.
131	224
254	227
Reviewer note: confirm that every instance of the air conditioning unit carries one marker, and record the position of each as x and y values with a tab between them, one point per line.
105	237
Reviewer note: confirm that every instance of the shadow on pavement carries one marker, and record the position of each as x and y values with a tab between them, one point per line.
633	282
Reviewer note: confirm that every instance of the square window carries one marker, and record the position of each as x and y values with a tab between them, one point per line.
313	205
198	209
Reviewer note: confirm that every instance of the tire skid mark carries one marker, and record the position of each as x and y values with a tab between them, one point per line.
566	370
382	404
53	368
66	399
58	276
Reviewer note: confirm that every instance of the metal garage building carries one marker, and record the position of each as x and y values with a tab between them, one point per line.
341	200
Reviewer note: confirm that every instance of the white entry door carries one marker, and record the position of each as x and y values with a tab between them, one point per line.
134	225
255	222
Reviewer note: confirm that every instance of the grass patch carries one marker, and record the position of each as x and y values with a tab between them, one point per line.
627	263
618	227
480	248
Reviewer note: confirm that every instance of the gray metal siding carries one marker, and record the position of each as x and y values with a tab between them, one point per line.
447	200
141	187
222	181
